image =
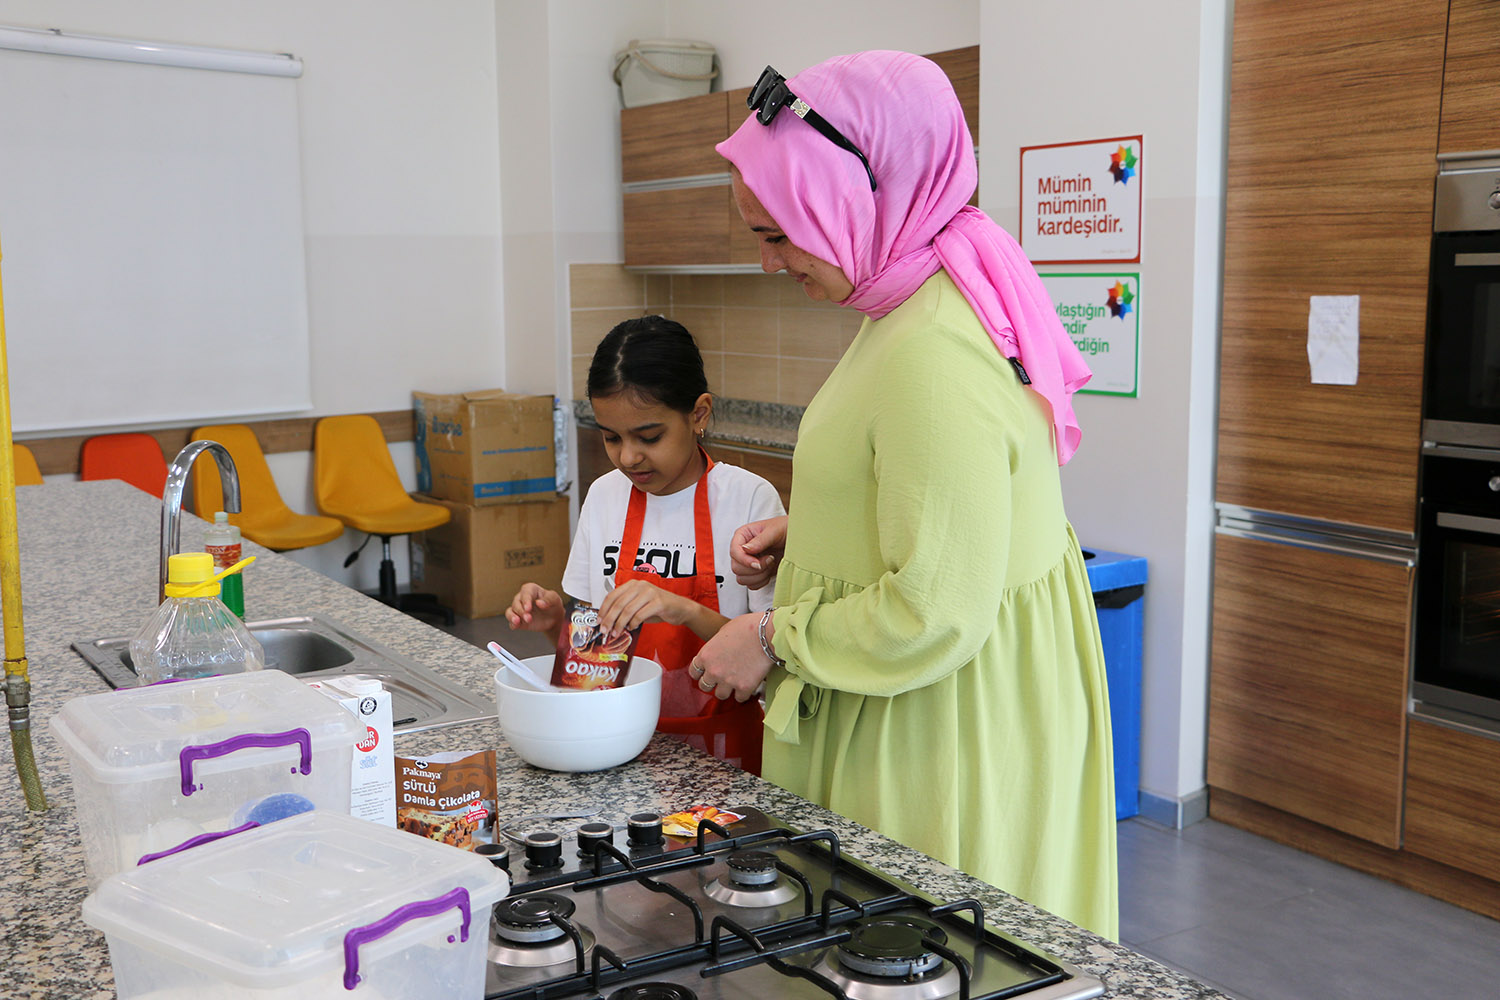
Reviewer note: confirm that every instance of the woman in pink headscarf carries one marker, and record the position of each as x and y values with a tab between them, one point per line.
932	665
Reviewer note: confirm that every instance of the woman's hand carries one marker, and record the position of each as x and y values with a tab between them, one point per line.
732	662
535	609
636	602
755	550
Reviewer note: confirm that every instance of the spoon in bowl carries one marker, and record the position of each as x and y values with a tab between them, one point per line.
518	668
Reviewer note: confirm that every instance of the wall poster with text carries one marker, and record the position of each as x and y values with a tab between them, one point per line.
1102	314
1081	201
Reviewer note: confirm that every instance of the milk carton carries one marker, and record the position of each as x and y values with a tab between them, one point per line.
372	787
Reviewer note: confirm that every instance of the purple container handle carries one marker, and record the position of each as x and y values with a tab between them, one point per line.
191	754
202	838
411	911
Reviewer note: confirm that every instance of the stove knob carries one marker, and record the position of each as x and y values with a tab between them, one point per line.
591	834
496	854
1495	484
644	829
543	850
1495	199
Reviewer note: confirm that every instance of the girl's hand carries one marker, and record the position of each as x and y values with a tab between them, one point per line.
755	550
732	662
636	602
535	609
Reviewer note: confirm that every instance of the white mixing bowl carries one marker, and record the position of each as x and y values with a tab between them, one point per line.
564	730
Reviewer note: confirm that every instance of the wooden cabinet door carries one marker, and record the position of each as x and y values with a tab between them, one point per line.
1453	797
1471	78
677	227
674	138
1307	689
1333	121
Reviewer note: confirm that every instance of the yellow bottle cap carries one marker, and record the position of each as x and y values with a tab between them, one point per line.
188	573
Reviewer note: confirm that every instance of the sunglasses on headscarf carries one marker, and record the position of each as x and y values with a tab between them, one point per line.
770	94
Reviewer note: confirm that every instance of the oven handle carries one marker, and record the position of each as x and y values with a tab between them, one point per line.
1468	522
1476	260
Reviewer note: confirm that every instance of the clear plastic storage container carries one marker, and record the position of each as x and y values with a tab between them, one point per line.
320	905
153	767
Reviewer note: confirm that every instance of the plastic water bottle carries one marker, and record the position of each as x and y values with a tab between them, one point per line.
222	541
192	633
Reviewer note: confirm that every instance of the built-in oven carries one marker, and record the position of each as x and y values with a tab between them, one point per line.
1456	648
1462	400
1456	666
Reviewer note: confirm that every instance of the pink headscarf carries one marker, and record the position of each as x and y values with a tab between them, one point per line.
900	110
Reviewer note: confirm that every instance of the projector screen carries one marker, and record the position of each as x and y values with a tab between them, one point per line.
151	230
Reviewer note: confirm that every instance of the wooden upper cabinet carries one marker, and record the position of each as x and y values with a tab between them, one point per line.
697	227
673	138
1471	78
1307	698
677	227
1333	123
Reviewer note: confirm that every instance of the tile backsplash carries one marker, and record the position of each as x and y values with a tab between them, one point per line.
762	338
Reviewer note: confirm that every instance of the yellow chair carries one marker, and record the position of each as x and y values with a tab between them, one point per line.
27	472
263	518
355	480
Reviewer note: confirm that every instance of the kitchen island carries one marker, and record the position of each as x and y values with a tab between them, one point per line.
89	556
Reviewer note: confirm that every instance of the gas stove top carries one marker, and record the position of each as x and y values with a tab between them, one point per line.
753	909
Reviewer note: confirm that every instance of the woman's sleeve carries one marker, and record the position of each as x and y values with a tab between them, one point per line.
943	438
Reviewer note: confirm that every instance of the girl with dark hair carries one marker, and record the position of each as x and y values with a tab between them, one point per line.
636	555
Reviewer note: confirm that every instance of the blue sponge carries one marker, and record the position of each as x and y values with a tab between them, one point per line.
274	807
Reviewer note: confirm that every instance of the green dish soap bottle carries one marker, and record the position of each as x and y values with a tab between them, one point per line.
222	541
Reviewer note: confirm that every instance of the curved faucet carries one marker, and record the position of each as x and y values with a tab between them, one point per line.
171	497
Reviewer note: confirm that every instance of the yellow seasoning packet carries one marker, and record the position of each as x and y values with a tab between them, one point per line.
685	823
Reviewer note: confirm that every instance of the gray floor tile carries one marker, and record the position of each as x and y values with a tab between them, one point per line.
1196	976
1169	884
1332	947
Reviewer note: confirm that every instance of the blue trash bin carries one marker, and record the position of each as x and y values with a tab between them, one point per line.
1119	585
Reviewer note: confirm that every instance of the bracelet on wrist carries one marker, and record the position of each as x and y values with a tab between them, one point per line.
765	644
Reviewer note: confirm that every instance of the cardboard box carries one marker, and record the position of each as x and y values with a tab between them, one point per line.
487	447
478	560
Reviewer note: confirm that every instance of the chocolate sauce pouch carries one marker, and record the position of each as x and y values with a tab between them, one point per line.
586	659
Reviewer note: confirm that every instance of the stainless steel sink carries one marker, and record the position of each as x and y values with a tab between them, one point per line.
311	646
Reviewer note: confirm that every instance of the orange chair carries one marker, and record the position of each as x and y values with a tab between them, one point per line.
263	518
27	472
356	481
135	458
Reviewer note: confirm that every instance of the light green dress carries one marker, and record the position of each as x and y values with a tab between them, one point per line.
945	680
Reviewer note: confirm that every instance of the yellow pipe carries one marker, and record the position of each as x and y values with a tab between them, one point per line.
17	681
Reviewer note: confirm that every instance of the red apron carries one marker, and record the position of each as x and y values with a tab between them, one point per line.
728	729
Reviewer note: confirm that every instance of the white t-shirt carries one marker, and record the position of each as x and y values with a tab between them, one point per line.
735	497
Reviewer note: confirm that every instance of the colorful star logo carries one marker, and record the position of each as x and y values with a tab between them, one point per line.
1122	164
1120	298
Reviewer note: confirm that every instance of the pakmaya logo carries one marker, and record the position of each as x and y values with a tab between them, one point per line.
1120	299
1122	164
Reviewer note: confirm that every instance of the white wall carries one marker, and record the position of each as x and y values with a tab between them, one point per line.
400	154
1142	482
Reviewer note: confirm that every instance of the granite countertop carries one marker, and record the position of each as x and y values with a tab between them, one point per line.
768	426
89	570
